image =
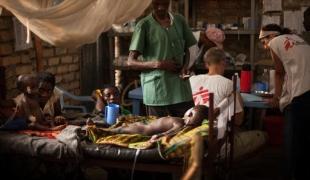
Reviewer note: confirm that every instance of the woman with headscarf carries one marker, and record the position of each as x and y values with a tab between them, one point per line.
291	56
212	37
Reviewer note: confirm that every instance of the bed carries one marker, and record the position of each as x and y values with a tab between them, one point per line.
69	147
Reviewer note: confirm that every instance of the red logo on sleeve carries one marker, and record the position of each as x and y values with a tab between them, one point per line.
288	43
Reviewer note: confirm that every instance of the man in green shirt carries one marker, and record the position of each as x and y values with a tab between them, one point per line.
160	41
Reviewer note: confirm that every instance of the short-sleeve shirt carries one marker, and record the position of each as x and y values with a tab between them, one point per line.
294	54
155	42
203	84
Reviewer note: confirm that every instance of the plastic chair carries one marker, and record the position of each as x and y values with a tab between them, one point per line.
64	106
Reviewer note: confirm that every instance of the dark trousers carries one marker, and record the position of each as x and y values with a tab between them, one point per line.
175	110
297	138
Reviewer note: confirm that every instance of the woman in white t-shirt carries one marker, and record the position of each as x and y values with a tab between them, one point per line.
291	56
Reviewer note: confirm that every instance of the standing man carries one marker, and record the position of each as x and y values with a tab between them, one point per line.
162	39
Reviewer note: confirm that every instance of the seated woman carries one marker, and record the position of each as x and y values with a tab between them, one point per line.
106	96
164	125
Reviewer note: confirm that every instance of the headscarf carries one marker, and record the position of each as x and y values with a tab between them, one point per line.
263	34
216	35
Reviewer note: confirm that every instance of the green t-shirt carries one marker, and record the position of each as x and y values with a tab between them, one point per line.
155	42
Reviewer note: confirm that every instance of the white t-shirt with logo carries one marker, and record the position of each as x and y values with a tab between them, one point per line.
221	87
294	53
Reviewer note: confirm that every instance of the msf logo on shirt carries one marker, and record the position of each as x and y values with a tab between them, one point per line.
201	97
290	43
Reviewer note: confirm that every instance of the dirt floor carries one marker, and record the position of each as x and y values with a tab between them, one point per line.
266	165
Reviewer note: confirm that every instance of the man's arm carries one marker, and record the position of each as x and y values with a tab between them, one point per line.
134	63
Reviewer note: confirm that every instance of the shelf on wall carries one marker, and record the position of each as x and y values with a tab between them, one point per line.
240	32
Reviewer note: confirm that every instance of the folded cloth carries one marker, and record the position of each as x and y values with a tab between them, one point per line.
216	35
69	136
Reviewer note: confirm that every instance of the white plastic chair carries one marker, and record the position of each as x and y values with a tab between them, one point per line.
64	106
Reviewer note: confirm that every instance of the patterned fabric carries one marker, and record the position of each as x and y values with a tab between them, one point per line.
172	147
179	144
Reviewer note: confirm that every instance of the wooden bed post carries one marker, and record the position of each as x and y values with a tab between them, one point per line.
232	128
212	143
39	53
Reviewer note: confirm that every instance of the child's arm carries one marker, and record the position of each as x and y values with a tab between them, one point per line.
97	96
175	128
40	127
99	104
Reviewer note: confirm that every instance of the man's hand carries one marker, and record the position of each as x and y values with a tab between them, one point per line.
167	65
185	73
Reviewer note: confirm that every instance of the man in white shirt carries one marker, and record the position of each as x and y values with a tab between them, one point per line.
215	82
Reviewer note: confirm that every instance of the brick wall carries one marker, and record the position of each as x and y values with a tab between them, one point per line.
64	63
223	11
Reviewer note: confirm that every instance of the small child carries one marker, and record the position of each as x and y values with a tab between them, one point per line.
28	103
164	125
106	96
49	99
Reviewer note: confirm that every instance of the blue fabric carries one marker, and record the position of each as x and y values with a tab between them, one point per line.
15	124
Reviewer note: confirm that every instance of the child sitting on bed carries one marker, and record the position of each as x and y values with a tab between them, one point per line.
49	98
106	96
164	125
28	104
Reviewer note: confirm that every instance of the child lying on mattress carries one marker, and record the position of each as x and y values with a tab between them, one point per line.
164	125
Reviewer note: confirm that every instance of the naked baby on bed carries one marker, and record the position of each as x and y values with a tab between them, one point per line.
165	125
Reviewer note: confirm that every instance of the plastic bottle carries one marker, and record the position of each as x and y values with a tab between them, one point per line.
238	81
245	79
